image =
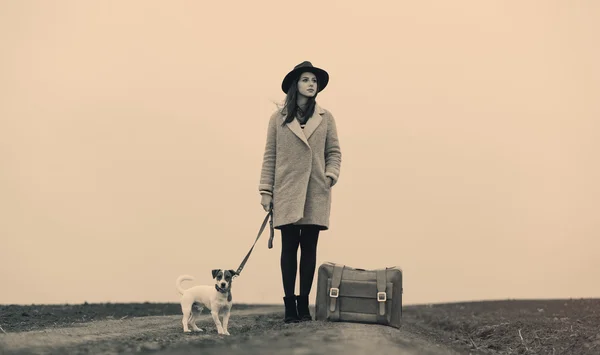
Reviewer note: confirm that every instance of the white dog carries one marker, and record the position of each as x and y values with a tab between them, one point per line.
217	298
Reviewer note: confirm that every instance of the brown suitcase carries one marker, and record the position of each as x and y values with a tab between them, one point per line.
347	294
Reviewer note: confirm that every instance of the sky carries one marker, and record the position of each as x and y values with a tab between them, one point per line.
132	136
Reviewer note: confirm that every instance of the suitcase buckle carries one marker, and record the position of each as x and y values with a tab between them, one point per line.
381	297
334	292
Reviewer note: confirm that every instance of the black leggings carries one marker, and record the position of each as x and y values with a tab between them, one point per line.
306	237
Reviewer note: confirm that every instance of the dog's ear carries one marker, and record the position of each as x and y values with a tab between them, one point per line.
215	272
233	272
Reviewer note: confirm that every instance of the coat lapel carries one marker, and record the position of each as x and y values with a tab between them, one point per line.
309	128
314	121
295	127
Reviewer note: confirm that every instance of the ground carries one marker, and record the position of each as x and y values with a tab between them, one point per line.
568	326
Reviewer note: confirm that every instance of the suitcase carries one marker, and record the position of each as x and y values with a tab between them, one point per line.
347	294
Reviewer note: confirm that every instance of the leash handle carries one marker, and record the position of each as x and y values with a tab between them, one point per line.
272	231
268	217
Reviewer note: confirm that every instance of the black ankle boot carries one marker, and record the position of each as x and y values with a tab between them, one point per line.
291	313
303	311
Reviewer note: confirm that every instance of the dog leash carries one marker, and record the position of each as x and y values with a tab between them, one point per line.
268	217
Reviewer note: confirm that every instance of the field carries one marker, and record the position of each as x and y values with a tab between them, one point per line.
567	326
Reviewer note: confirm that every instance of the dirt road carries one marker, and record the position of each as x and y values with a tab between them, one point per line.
253	331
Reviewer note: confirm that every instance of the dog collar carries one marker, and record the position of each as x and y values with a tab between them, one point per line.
222	290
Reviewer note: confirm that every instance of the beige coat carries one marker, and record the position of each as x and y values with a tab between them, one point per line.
296	165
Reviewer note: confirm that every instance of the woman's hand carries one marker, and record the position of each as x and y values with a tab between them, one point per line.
330	181
265	201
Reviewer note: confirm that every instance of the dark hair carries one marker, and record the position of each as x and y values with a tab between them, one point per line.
292	106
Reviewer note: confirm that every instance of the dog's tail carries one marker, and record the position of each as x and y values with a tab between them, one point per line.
180	279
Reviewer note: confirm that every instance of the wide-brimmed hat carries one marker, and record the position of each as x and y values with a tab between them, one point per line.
306	66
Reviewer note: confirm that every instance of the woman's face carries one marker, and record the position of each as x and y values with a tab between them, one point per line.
307	84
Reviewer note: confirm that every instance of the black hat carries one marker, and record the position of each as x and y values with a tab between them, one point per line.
306	66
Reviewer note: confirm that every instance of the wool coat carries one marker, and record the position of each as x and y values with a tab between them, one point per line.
296	165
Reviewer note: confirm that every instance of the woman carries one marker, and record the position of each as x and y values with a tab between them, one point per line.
301	163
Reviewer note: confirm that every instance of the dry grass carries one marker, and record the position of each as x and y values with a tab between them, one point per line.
18	318
514	327
545	327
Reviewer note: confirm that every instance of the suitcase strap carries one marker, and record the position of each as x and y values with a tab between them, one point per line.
381	295
334	292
